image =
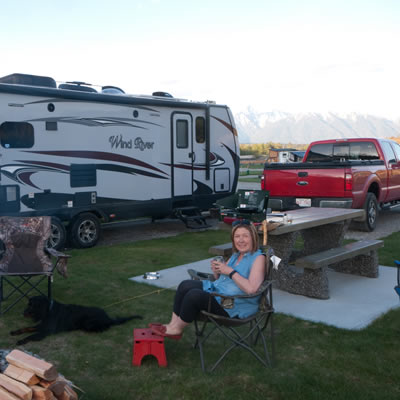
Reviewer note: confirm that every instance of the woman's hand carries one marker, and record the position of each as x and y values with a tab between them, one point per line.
214	268
219	267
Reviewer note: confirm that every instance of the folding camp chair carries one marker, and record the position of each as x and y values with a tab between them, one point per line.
245	203
229	327
397	287
24	260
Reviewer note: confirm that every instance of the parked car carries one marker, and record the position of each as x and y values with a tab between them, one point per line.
349	173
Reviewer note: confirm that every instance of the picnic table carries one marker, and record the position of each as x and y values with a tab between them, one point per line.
304	271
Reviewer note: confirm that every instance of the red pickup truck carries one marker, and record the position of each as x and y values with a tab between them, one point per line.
348	173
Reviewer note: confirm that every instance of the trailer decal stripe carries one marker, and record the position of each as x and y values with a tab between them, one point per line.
229	126
25	177
97	121
23	173
47	164
202	188
127	170
57	100
216	161
100	155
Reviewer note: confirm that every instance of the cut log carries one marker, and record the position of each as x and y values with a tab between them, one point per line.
21	375
41	393
68	394
41	368
19	389
57	386
6	395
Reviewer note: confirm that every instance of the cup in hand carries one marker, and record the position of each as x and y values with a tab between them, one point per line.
215	265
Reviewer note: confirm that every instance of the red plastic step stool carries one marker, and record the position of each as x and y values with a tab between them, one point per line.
145	343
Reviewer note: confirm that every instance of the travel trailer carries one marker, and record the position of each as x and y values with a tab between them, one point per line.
86	156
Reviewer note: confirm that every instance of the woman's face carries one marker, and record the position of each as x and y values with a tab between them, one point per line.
242	240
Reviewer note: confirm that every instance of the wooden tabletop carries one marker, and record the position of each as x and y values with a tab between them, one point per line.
310	217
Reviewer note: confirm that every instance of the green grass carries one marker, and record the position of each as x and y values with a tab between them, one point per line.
250	180
313	361
251	172
259	166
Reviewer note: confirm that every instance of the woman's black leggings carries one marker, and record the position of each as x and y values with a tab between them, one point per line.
190	299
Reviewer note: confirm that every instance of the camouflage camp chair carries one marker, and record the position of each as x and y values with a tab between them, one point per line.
24	259
240	333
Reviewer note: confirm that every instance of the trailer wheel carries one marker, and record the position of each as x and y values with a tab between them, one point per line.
58	235
84	231
371	213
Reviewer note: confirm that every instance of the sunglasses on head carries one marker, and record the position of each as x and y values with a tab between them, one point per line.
241	222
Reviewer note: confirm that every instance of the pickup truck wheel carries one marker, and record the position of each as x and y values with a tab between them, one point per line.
371	213
84	231
58	235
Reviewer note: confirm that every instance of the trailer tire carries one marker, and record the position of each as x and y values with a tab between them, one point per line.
58	235
84	231
371	213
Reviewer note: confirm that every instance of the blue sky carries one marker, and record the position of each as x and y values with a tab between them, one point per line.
287	55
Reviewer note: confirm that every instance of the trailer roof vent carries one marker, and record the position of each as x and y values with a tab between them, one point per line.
81	86
162	94
30	80
112	90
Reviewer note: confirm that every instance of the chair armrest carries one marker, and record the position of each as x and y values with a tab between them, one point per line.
56	253
61	263
200	276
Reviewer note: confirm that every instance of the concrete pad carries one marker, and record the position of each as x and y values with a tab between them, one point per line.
354	302
171	277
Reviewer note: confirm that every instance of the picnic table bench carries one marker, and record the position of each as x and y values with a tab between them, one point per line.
224	250
346	258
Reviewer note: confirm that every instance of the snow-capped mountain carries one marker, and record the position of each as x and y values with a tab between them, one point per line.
282	127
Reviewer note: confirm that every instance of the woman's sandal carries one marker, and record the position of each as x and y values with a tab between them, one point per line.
161	331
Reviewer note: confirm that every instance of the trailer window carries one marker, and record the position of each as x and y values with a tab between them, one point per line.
200	130
16	135
182	134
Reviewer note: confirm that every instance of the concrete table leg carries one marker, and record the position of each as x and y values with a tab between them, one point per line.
311	283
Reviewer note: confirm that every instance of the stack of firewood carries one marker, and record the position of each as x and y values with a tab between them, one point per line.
29	378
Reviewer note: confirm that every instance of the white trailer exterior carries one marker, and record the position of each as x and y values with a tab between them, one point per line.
85	156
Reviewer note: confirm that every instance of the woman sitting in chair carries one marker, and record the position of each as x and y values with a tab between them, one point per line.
242	274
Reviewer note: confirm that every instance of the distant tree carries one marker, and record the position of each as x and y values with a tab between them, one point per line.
262	149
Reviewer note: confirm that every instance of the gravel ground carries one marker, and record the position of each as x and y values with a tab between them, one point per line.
388	222
145	229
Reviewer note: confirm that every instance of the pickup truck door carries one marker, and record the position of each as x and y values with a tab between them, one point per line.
393	166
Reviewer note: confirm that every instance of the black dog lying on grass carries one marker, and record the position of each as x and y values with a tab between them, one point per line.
56	317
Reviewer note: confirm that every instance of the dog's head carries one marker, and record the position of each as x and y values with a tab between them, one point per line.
37	308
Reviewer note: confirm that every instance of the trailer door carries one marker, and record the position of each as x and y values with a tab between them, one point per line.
182	137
